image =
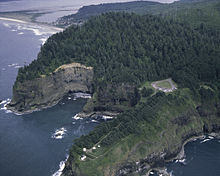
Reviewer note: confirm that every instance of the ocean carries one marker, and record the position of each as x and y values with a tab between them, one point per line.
54	8
29	144
201	158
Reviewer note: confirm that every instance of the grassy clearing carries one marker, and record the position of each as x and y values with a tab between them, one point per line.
164	84
152	137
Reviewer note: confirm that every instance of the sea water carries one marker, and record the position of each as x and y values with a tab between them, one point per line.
202	158
36	143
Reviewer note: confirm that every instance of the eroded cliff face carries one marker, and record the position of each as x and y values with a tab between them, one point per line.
182	129
46	91
182	122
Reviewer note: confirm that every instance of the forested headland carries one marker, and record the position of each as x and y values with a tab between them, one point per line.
193	12
133	50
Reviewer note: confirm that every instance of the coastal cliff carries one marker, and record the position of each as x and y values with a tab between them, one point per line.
157	135
127	53
47	90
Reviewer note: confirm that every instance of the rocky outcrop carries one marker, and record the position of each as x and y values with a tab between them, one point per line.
114	98
46	91
171	151
183	126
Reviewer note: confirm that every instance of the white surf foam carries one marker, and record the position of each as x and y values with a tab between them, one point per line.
20	33
76	117
182	161
59	133
3	102
43	40
4	107
151	173
38	30
18	66
205	140
61	167
13	65
82	95
210	137
107	117
94	121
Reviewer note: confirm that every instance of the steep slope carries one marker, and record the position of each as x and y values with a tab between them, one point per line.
145	137
126	50
47	90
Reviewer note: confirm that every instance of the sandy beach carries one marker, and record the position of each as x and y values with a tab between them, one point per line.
31	23
13	20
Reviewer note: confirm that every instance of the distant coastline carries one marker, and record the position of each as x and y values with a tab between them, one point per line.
16	20
12	19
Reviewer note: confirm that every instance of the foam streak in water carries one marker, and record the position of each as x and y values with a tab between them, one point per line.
82	95
61	167
38	30
59	133
205	140
76	117
4	103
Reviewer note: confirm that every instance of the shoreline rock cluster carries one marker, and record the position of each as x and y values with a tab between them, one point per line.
156	161
47	91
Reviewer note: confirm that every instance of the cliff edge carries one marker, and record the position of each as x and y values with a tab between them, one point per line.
47	90
146	136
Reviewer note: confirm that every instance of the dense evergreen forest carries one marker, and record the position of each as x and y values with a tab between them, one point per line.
128	48
86	12
133	49
193	12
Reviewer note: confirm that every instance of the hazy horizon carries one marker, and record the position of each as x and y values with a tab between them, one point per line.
18	5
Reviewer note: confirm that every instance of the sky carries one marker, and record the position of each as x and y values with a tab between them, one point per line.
11	5
54	9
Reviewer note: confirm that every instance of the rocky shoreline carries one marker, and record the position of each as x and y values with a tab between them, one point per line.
155	162
49	105
106	115
96	114
47	91
162	171
35	109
